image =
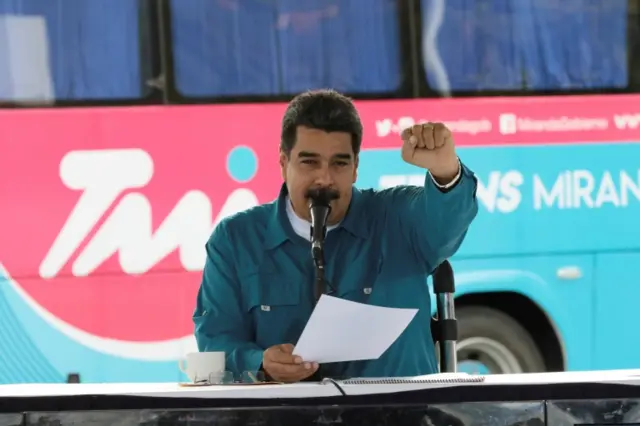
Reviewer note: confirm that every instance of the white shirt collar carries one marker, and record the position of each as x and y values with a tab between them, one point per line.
299	225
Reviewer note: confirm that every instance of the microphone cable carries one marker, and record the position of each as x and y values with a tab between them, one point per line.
334	383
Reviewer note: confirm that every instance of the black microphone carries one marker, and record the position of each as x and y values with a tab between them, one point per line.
319	208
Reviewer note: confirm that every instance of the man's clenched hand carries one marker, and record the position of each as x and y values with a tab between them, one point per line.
431	147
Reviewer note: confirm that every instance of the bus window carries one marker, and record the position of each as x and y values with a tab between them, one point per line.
69	50
524	45
229	48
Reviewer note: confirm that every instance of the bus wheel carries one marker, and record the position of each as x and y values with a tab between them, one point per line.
492	342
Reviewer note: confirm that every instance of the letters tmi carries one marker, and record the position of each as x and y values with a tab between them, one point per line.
103	176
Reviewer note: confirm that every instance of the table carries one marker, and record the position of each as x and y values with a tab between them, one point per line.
554	399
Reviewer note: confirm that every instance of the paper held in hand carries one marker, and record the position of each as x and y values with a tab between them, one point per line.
340	330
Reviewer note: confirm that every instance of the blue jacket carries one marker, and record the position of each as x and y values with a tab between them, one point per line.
257	287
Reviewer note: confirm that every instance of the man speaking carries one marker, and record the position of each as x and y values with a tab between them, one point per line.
257	290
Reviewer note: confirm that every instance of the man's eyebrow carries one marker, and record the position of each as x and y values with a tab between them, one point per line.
342	156
338	156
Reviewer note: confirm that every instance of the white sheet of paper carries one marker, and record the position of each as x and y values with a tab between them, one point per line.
340	330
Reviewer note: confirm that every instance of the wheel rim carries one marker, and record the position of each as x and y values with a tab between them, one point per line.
481	355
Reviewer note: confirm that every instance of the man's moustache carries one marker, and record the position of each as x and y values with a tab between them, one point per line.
322	194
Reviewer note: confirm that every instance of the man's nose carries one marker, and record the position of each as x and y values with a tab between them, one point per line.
324	178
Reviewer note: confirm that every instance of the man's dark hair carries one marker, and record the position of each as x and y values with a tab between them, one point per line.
325	110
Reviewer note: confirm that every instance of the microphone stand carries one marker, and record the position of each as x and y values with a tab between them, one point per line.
317	253
319	213
444	326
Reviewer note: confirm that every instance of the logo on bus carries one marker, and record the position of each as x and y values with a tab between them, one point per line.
108	181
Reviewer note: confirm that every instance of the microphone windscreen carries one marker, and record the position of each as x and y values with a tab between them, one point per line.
321	196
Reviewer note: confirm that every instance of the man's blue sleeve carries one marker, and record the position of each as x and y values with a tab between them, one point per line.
220	322
434	221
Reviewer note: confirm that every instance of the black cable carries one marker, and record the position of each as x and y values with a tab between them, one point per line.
334	383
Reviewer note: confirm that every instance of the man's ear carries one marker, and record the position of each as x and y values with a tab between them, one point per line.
355	169
284	160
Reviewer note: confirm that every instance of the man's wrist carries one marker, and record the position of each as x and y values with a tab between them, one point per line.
447	179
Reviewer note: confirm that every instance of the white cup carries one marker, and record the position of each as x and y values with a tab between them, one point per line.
203	366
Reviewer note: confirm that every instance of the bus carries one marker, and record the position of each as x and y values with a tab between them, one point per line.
130	128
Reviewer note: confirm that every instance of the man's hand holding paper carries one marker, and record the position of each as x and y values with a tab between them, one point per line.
281	365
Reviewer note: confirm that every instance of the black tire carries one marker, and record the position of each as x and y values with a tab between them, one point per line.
494	325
